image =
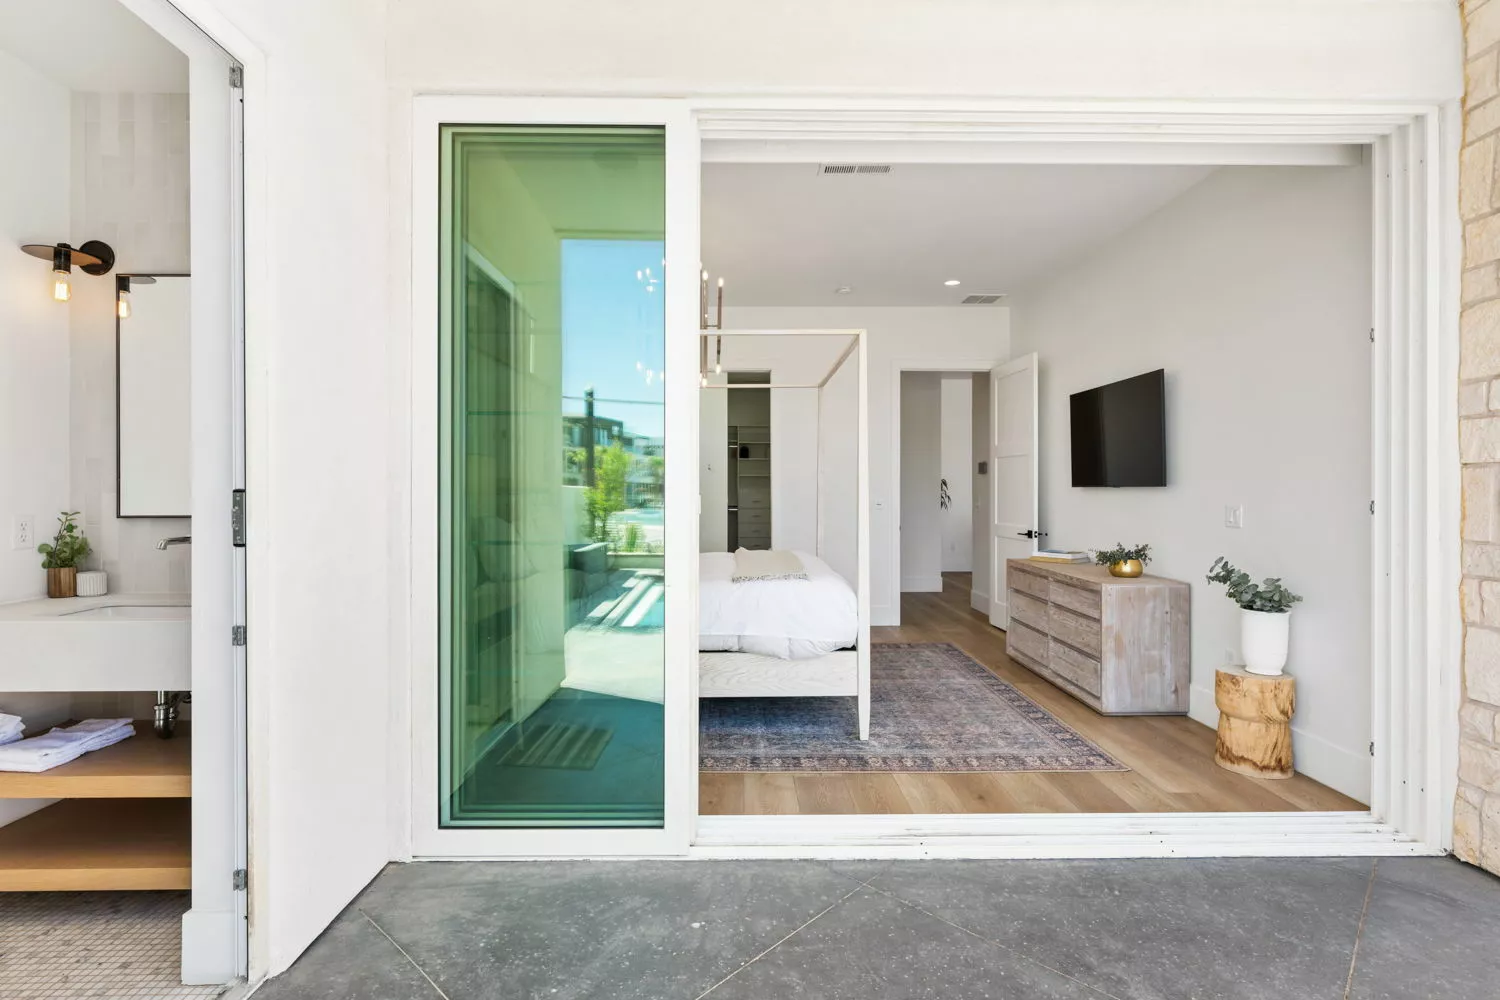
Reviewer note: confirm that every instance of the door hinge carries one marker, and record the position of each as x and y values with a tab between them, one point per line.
237	635
236	77
241	880
237	517
1372	335
1372	506
1372	748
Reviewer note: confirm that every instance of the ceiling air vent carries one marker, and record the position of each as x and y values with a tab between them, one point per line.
982	300
854	168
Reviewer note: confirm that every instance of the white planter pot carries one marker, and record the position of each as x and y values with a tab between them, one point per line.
1263	640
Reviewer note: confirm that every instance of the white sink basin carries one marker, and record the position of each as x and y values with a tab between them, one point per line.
120	642
134	612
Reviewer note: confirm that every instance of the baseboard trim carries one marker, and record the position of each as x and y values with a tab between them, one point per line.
1343	770
979	601
922	584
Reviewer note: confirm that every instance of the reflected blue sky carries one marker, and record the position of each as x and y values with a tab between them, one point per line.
613	326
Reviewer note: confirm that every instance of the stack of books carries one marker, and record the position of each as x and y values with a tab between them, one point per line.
1059	556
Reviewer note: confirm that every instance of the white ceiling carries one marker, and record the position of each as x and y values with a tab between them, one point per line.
91	45
785	234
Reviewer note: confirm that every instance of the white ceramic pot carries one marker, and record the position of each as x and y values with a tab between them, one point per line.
1263	640
93	583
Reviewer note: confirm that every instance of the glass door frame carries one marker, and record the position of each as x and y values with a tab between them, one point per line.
683	158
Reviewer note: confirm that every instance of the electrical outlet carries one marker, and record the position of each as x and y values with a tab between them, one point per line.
23	532
1234	516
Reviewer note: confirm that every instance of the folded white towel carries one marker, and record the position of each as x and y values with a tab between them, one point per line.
767	564
61	745
11	728
96	733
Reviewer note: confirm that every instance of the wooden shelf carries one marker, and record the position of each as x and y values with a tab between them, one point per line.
140	767
99	844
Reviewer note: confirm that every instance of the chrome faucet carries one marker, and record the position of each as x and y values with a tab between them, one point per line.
161	546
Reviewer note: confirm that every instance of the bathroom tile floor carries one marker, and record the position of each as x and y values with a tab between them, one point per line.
1231	929
94	946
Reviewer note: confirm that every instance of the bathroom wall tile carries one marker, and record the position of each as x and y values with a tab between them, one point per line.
130	188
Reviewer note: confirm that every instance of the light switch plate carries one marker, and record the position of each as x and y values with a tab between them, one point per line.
1234	516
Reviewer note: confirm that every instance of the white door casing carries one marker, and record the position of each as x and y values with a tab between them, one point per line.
1014	526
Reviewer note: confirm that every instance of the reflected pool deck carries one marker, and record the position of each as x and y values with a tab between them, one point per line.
624	778
595	745
1243	929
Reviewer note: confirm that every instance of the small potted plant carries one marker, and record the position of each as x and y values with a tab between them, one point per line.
1265	616
61	556
1128	562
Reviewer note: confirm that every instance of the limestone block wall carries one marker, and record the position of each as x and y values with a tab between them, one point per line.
1477	809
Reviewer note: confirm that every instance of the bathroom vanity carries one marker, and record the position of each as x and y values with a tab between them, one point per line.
118	642
123	815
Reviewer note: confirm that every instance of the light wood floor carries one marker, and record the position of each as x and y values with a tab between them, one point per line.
1170	757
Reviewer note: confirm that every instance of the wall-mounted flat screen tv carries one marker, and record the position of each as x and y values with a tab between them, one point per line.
1120	433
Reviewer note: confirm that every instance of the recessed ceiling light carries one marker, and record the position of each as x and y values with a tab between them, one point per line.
843	290
951	282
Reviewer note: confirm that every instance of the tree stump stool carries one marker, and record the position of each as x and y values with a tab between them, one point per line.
1255	715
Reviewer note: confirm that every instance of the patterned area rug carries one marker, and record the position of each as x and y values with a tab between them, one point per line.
932	708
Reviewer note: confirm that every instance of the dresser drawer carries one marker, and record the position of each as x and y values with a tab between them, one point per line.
1020	640
759	516
1028	610
1027	583
757	499
1073	629
1085	602
1073	666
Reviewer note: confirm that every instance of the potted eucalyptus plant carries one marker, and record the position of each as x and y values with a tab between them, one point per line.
61	556
1265	616
1127	561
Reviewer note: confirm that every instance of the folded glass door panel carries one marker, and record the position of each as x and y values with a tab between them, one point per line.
551	475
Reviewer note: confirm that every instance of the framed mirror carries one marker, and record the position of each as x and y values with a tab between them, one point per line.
153	393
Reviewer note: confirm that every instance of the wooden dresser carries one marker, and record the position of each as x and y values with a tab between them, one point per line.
1119	646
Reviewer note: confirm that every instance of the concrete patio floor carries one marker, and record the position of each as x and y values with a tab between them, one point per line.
1259	928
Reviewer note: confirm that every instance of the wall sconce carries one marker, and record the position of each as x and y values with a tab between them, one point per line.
94	257
122	291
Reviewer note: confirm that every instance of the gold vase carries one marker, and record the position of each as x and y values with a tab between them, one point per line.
1128	568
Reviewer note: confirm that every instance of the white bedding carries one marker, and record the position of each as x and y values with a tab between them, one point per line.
787	619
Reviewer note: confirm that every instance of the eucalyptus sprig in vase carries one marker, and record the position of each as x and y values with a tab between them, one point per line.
61	556
1125	561
1265	616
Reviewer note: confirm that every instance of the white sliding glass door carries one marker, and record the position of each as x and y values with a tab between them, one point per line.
556	480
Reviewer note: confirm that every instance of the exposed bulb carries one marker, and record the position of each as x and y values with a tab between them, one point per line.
702	381
61	290
122	305
718	368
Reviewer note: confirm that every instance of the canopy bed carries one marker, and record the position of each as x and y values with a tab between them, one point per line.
802	630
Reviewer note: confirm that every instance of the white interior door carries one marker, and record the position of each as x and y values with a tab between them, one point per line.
1014	525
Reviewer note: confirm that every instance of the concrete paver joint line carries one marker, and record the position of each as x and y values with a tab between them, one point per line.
394	944
1359	932
795	931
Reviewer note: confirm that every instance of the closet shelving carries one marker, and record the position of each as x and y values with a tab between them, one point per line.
751	446
124	820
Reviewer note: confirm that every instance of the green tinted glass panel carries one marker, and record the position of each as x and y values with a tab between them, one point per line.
551	476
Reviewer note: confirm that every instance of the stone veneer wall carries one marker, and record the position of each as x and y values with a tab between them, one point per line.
1476	827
